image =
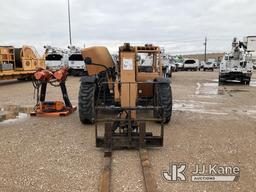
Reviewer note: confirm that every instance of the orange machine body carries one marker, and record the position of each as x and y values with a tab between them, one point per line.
52	108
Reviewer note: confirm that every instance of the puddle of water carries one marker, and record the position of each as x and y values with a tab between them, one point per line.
195	106
197	102
209	89
251	112
210	85
13	113
213	112
185	107
19	117
253	83
198	88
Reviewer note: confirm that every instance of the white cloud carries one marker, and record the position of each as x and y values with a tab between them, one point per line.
180	26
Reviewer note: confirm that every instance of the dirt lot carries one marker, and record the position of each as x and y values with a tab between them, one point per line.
210	125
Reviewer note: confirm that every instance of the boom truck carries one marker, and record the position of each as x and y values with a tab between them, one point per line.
236	64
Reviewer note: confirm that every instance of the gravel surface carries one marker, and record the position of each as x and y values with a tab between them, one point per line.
210	125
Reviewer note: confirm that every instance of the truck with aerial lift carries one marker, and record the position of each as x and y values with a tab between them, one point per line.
236	64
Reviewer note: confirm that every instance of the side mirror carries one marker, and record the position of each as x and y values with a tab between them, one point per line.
88	60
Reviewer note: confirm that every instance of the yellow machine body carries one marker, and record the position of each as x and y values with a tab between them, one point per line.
124	95
129	70
100	55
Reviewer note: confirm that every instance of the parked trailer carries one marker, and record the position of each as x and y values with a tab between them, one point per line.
19	63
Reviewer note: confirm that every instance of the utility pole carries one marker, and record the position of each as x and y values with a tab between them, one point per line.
69	24
205	45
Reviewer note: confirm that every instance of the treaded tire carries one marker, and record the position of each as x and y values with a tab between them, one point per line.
86	102
163	92
221	81
246	82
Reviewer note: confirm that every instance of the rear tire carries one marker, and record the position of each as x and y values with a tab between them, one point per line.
221	81
246	81
86	102
163	97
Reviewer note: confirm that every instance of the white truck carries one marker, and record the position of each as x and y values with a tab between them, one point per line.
213	61
250	42
209	65
178	62
75	62
191	64
55	58
168	65
237	64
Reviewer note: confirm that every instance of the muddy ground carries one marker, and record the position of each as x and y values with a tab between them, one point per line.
210	125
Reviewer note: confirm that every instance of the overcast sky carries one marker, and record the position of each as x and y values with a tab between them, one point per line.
178	25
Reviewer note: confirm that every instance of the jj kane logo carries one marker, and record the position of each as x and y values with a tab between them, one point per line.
176	172
203	173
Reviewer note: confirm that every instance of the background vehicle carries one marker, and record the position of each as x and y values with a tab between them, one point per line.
201	65
208	66
179	66
55	58
168	65
237	64
178	62
250	42
191	64
19	63
213	61
76	62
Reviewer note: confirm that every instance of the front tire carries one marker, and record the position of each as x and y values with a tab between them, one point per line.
221	80
163	98
86	102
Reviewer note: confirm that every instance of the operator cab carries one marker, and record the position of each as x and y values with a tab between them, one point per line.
149	65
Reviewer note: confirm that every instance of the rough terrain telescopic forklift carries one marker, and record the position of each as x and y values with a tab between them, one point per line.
129	90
